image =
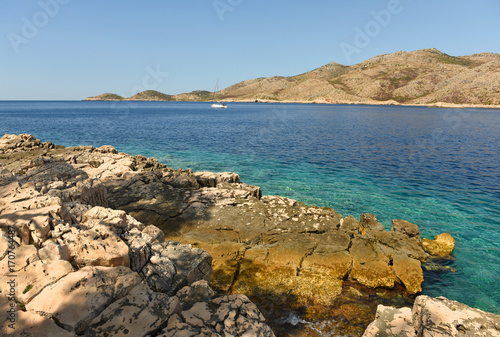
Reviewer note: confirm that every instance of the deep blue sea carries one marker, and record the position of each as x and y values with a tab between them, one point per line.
437	168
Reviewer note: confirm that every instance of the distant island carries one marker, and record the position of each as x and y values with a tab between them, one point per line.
422	77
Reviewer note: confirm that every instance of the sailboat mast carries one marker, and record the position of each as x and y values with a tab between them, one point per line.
215	91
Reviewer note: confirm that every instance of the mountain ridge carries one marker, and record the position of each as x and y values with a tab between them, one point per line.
421	77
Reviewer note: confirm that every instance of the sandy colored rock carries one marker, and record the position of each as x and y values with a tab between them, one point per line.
139	313
409	229
391	322
65	297
443	317
409	272
433	317
442	245
30	324
350	224
23	256
369	222
87	292
36	276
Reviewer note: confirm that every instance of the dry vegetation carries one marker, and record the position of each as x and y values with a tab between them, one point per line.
425	76
421	77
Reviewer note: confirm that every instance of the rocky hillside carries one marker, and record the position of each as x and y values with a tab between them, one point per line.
425	76
150	95
105	97
153	95
420	77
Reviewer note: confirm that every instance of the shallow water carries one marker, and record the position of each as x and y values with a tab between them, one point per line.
438	168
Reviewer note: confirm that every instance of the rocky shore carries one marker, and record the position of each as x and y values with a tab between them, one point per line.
104	243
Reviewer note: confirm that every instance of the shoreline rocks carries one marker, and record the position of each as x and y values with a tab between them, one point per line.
96	208
78	268
433	317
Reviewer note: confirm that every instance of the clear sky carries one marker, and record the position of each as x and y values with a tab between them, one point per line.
72	49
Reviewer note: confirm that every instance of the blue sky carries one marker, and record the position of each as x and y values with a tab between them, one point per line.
72	49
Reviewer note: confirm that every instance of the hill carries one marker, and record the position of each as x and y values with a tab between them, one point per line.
150	95
425	76
420	77
105	97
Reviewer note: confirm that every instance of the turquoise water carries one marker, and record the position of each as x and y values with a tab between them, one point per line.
438	168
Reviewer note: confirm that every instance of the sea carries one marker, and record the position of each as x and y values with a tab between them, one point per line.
435	167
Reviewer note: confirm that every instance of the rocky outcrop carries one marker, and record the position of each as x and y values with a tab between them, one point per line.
94	210
433	317
442	245
78	268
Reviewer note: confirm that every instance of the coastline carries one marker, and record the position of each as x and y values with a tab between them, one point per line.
299	258
443	105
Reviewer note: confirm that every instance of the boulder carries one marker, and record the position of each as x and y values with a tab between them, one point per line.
443	317
107	149
407	228
350	225
231	315
211	179
139	313
79	297
96	241
391	322
174	265
409	272
369	222
370	265
433	317
442	245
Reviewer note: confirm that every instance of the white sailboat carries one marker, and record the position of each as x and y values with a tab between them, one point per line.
215	100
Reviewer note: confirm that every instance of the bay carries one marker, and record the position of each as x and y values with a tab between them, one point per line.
437	168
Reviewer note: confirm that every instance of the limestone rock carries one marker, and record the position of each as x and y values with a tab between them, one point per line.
433	317
407	228
36	276
370	265
442	317
199	291
87	292
24	255
409	271
107	149
174	265
391	322
211	179
442	245
30	324
96	241
51	250
97	271
139	313
231	315
369	222
350	225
